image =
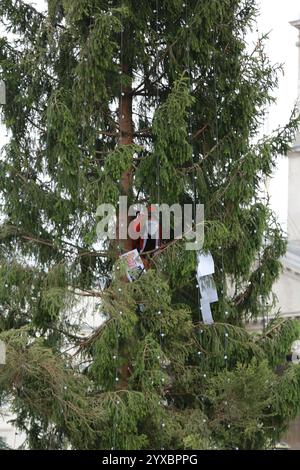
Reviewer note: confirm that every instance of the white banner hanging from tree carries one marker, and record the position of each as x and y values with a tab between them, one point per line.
208	289
2	92
205	264
206	284
2	353
206	312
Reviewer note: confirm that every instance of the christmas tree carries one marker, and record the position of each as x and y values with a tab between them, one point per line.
161	101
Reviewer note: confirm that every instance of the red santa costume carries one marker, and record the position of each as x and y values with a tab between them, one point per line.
148	230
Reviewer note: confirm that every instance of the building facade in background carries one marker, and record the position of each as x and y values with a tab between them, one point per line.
287	288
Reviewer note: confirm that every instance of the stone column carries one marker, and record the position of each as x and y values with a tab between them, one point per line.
294	170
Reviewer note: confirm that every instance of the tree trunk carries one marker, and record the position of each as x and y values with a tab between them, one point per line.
126	138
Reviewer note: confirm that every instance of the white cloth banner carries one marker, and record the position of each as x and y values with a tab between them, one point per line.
2	92
206	312
206	284
208	289
2	353
205	264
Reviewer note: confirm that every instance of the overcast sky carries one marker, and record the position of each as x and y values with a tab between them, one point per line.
281	48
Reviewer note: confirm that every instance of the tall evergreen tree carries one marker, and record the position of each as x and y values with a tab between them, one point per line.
104	96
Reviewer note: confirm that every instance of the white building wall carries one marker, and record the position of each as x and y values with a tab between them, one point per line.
294	196
287	290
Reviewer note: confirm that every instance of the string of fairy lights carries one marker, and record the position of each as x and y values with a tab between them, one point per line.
194	181
194	173
222	201
159	313
196	196
223	290
117	333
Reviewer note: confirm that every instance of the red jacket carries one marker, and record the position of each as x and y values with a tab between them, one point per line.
145	242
